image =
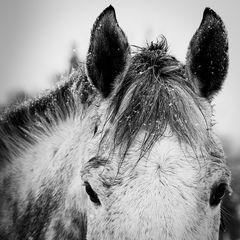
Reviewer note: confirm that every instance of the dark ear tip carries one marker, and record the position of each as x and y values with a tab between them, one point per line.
108	14
208	12
110	8
108	11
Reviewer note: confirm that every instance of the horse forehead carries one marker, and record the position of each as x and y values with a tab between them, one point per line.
168	149
168	153
168	160
171	163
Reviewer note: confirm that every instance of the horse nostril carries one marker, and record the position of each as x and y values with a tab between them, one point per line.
92	194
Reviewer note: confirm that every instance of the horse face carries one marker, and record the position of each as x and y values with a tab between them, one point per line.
167	189
167	195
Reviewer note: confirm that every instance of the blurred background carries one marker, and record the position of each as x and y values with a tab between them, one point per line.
39	38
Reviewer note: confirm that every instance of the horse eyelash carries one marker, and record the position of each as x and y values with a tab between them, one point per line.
222	222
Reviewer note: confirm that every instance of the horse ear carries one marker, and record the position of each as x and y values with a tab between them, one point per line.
207	58
108	52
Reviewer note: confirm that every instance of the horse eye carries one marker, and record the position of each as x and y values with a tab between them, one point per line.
92	194
217	194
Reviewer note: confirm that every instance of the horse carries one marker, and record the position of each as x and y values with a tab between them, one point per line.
124	148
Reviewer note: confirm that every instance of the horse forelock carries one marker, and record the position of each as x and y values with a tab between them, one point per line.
22	125
156	94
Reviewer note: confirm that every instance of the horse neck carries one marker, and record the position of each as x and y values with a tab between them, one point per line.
55	157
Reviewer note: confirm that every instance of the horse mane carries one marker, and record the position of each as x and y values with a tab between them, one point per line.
22	125
155	94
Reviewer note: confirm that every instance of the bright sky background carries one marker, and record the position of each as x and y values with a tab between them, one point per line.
37	36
